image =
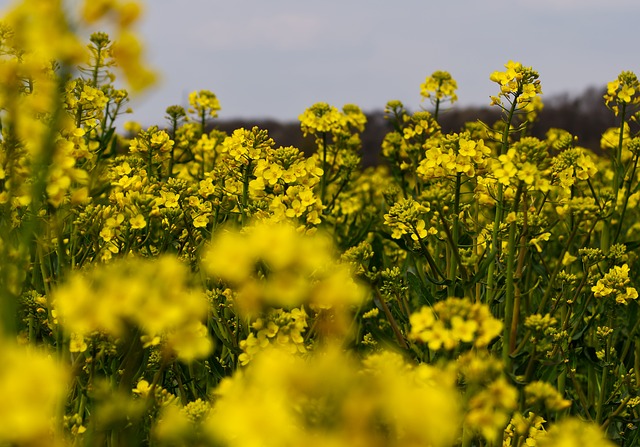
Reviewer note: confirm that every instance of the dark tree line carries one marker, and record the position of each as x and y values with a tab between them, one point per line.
584	116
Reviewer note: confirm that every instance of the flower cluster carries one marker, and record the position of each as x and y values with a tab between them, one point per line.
547	394
453	322
204	103
280	327
331	398
322	118
407	217
571	166
616	282
152	296
623	91
286	179
440	86
573	431
489	410
33	386
524	429
451	155
127	50
518	84
301	272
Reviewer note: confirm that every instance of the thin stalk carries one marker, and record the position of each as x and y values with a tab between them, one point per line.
617	162
556	270
616	413
549	289
604	378
605	237
601	396
499	202
323	179
392	321
518	275
454	259
584	401
509	298
626	198
174	129
432	264
245	190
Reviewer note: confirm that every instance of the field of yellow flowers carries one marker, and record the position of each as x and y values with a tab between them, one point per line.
176	287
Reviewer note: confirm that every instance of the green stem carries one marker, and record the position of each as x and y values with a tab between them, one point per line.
628	181
605	237
509	297
601	396
432	264
323	179
245	190
617	162
174	129
605	377
392	321
558	267
454	259
499	202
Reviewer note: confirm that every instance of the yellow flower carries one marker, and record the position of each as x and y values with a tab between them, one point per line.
420	231
568	259
453	321
77	343
439	86
142	389
127	52
204	103
571	432
302	271
517	83
153	295
544	392
623	90
201	221
464	330
138	222
467	147
328	398
190	341
32	386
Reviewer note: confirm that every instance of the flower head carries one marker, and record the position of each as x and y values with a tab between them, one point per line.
517	83
440	86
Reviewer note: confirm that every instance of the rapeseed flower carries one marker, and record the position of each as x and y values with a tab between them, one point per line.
33	386
572	432
441	86
329	398
408	217
517	83
453	322
204	103
301	270
623	91
152	295
615	282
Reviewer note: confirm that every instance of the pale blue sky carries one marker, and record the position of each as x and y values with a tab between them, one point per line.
274	58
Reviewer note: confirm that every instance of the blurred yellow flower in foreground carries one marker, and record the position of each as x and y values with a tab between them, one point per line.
32	386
